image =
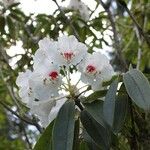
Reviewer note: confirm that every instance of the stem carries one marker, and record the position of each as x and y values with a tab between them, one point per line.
147	39
26	120
26	136
116	38
68	21
125	67
77	102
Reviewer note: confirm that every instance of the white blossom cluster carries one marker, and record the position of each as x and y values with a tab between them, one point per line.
81	7
41	89
7	3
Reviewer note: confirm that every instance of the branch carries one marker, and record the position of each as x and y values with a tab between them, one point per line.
116	38
125	67
77	102
67	20
26	120
124	5
140	41
26	136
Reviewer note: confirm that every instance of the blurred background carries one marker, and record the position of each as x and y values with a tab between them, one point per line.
103	25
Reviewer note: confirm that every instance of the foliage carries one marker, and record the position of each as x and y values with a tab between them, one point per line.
117	116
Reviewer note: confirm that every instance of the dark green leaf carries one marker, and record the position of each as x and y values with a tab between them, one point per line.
76	135
121	107
138	88
94	96
44	141
90	143
2	24
63	132
96	111
11	27
97	132
109	103
83	146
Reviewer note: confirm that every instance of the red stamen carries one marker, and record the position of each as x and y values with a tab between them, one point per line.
91	69
68	55
53	75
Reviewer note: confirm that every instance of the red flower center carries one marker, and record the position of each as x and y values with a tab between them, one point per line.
90	69
53	75
68	55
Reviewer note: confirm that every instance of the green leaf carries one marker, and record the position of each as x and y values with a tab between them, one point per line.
121	107
138	88
76	135
109	103
96	111
83	146
2	24
11	27
63	132
98	133
94	96
91	144
44	141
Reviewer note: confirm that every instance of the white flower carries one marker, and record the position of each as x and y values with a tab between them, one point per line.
45	81
47	110
95	69
70	51
25	92
41	89
83	9
67	51
8	2
45	52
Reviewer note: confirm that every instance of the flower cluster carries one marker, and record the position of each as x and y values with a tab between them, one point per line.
7	3
45	89
83	9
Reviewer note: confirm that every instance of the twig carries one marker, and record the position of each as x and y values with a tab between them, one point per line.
26	120
67	20
139	48
77	102
10	90
26	136
147	39
124	64
140	41
116	38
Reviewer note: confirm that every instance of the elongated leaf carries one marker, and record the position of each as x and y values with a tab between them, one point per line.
138	88
83	146
94	96
63	132
109	103
44	141
96	111
76	135
97	132
121	107
11	27
91	144
2	24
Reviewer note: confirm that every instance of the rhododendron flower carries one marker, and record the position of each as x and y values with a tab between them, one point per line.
46	110
44	53
95	70
67	51
71	52
25	92
45	81
8	2
41	89
83	9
